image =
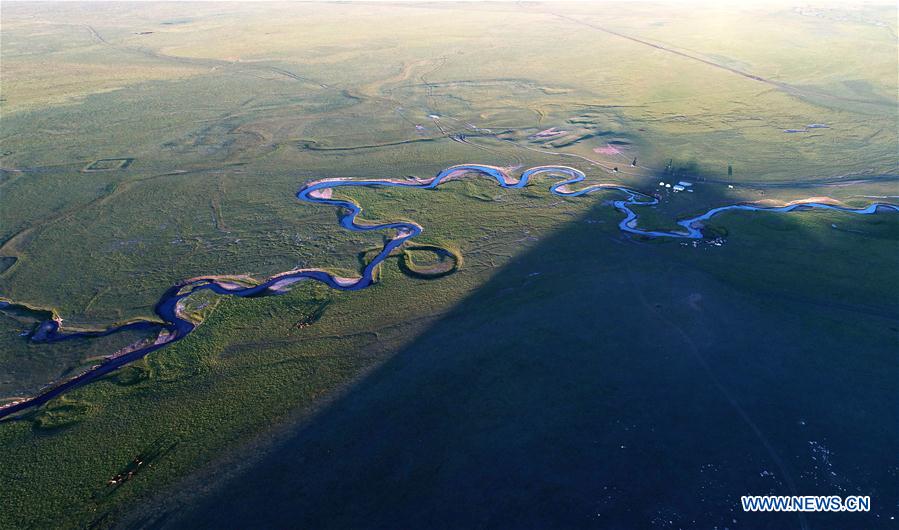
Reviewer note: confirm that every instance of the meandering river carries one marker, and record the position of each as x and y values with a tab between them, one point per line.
175	326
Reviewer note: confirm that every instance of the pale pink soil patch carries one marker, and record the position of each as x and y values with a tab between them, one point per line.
607	150
285	283
549	133
321	193
345	282
819	200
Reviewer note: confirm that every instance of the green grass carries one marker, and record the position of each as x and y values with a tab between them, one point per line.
430	261
220	146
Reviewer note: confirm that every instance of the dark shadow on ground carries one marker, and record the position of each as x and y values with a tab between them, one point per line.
603	381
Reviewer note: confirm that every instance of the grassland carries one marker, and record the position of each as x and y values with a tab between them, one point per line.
206	118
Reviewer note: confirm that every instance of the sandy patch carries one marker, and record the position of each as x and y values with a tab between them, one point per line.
345	282
820	200
321	193
549	133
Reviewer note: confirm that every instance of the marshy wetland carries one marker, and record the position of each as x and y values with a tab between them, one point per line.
687	270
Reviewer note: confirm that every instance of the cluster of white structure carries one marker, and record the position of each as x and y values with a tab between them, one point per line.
682	185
